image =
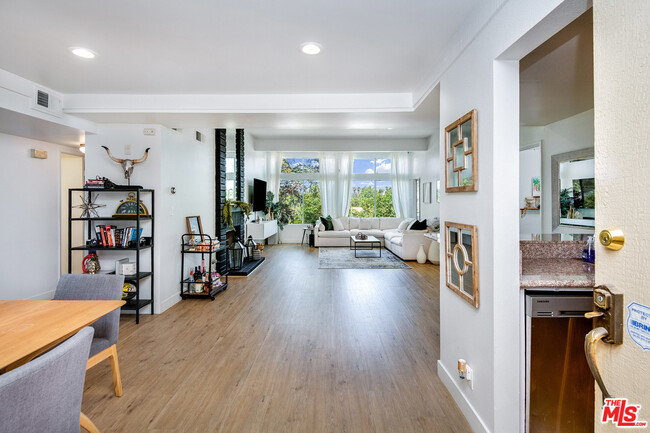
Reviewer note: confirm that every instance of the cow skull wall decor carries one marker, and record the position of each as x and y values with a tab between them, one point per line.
128	164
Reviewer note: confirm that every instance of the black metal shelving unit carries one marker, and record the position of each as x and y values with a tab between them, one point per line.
222	267
137	303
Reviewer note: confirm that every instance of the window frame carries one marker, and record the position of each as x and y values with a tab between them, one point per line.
373	177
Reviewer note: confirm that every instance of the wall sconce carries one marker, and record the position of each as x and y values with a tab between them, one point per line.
82	148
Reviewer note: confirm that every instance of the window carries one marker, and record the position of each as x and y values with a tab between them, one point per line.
230	177
299	189
372	192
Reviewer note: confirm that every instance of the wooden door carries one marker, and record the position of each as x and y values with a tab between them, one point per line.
622	153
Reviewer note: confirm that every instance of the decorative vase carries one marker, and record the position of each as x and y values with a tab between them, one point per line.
422	256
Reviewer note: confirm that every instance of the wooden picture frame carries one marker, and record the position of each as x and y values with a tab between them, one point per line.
192	223
464	281
461	154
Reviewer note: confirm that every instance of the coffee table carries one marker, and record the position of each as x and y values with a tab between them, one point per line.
367	244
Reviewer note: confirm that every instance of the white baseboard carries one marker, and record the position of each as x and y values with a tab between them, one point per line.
465	406
169	302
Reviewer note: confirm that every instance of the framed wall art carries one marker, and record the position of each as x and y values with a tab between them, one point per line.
426	192
461	261
461	163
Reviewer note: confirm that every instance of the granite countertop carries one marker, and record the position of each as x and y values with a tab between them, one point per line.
556	272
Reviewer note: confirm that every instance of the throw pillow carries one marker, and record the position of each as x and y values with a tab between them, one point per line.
337	224
404	224
327	222
418	225
321	227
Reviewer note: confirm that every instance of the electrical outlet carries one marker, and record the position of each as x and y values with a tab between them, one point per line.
171	211
127	149
470	377
149	131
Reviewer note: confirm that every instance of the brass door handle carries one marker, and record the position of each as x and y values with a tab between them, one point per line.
592	314
593	337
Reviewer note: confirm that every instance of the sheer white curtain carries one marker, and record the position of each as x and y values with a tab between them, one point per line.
335	178
273	168
403	196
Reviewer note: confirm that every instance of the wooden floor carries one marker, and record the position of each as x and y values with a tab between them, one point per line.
292	348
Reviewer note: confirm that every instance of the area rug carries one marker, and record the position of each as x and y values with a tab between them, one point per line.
343	258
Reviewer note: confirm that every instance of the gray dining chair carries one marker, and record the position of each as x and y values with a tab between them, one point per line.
45	393
101	287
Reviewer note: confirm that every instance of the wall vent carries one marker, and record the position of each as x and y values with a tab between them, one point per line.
47	101
200	137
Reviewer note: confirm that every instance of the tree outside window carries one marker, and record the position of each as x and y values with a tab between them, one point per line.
372	192
300	190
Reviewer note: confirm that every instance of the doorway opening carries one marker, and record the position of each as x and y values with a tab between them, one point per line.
72	176
556	205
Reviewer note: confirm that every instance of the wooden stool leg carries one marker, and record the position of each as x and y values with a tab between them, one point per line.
87	424
115	367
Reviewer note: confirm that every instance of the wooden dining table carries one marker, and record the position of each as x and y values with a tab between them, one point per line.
30	328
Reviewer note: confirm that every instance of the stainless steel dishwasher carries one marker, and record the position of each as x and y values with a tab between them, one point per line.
559	385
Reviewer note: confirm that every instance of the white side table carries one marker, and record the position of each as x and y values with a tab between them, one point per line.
434	247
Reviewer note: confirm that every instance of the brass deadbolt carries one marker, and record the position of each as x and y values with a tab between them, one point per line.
612	239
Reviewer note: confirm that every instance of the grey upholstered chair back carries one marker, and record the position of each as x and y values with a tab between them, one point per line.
88	287
44	395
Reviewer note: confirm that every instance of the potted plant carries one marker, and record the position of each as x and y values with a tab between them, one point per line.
279	210
227	210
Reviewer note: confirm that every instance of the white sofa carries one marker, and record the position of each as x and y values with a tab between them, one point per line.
403	244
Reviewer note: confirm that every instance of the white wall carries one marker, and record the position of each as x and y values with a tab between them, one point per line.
175	159
573	133
426	166
530	166
340	144
72	176
187	165
488	337
30	223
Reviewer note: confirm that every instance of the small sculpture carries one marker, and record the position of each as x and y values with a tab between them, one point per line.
89	207
128	164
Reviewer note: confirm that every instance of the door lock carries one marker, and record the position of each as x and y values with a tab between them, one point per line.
608	313
608	327
612	239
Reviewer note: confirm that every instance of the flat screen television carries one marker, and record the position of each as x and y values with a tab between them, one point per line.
259	195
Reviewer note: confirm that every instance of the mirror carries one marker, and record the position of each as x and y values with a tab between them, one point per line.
460	154
461	261
573	191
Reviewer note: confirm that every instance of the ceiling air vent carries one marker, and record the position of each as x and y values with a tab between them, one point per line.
47	101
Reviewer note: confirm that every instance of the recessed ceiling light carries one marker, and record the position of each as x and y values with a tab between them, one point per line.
389	128
311	48
82	52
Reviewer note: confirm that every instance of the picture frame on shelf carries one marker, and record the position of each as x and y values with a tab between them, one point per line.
194	226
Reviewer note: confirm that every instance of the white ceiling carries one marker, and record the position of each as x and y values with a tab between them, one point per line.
557	78
238	64
235	47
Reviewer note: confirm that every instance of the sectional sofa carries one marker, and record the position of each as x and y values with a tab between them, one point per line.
403	243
